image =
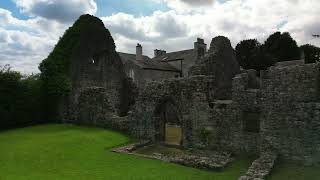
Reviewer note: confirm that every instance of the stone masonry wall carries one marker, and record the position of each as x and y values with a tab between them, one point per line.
185	93
291	112
99	88
227	119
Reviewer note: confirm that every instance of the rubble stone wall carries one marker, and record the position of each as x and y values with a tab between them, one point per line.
99	87
291	112
184	93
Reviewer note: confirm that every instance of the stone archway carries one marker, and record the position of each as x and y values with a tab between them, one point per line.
168	124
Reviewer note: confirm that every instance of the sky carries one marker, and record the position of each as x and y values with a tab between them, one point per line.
29	29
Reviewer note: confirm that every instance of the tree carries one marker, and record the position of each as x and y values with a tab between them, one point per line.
246	52
311	53
251	55
20	99
282	47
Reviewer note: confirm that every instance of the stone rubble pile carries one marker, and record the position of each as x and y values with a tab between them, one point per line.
215	162
261	167
130	147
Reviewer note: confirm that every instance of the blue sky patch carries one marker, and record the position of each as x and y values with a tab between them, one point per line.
134	7
11	6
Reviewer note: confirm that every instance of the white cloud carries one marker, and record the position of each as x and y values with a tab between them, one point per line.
188	5
236	19
24	43
64	11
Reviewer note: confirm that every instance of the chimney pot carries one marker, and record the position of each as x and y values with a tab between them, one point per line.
158	52
139	52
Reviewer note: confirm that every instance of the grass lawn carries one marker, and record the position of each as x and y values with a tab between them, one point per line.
59	152
294	172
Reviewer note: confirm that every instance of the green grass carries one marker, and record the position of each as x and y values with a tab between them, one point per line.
294	172
62	152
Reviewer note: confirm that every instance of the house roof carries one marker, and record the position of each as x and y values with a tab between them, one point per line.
125	57
188	54
147	63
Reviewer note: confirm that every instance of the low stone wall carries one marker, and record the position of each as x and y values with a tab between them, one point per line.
261	167
213	161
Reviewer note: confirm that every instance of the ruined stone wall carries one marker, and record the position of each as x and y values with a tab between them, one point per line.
99	85
226	125
278	111
220	62
284	113
291	112
185	93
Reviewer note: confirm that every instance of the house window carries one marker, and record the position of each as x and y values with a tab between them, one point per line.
131	74
251	122
93	61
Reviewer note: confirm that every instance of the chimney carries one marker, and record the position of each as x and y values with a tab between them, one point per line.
200	47
158	52
139	56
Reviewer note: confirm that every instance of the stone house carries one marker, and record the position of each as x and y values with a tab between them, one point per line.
141	69
163	65
182	60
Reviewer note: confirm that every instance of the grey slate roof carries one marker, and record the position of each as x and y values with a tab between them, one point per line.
125	57
186	55
147	63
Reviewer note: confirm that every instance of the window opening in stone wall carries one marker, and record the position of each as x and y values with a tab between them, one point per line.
92	61
251	122
131	74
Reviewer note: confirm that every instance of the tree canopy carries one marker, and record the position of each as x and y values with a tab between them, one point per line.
282	47
278	47
311	53
20	99
251	55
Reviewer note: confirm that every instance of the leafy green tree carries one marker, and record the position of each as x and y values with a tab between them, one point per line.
311	53
282	47
20	99
251	55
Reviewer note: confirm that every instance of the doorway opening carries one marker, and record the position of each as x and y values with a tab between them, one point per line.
168	124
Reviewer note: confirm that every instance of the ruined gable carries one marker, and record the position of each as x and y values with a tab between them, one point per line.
220	62
97	76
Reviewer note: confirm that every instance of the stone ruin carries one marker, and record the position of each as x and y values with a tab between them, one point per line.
237	111
218	106
101	92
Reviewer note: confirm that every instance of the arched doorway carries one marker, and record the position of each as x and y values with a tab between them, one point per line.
168	123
